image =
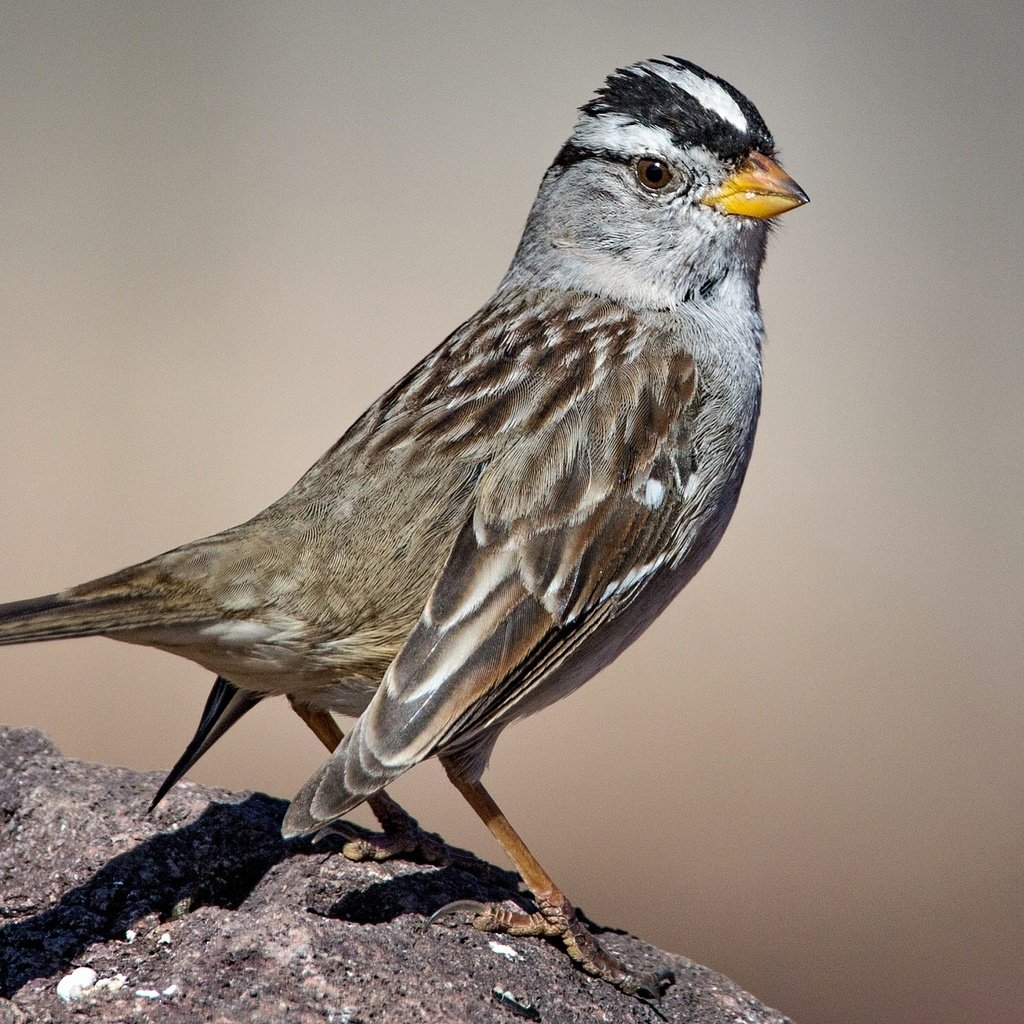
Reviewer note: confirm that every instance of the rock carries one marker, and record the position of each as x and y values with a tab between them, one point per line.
201	912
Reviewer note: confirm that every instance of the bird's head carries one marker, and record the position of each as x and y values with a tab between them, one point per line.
662	194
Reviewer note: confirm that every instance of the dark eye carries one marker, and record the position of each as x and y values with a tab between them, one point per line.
653	174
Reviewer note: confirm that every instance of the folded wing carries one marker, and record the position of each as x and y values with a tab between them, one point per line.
575	510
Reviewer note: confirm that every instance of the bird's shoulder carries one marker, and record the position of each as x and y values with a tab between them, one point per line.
524	365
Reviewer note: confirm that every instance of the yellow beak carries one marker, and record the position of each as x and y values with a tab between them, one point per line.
759	188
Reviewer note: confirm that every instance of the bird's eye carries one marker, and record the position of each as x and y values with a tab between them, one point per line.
653	174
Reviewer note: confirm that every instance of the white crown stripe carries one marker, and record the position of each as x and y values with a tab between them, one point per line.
706	91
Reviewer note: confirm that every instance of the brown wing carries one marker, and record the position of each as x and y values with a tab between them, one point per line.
576	508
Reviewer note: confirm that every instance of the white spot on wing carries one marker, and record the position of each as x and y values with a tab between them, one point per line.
633	576
707	92
654	493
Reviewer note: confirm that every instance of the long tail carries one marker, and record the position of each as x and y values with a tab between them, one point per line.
132	599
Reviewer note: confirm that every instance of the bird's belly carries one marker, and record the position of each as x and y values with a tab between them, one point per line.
277	658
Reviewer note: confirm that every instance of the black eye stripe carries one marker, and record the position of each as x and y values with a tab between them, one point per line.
571	154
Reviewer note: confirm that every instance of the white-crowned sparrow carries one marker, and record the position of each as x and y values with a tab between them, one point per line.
512	514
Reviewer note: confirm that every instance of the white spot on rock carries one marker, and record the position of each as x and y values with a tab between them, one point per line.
74	985
506	951
113	984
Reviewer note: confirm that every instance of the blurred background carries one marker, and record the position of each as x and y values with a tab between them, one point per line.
226	228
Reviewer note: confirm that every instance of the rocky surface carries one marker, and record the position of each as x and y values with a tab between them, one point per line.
200	912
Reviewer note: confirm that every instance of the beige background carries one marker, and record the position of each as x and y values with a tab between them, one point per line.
224	229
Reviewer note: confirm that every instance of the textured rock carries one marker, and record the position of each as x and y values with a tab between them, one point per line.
201	912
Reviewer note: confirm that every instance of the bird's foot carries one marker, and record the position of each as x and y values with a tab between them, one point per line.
401	836
557	919
415	844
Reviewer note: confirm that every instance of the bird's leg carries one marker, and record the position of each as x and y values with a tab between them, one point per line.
556	917
401	835
324	727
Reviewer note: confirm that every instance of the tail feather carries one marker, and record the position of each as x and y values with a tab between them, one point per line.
129	600
225	706
56	617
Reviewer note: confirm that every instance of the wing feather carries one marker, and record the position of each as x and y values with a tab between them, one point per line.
562	531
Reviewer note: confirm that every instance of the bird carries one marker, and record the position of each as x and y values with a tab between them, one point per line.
514	512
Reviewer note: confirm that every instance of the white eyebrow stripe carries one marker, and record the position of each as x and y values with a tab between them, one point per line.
621	134
707	92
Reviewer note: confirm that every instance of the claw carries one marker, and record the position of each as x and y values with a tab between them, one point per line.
456	907
401	837
335	828
558	920
664	978
413	843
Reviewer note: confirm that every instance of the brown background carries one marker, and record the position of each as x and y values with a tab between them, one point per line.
225	228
